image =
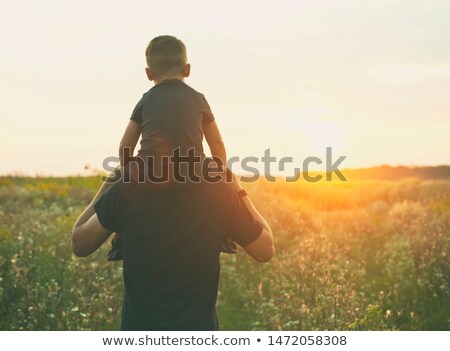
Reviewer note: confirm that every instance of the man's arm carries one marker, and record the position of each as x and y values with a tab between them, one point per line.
87	233
262	249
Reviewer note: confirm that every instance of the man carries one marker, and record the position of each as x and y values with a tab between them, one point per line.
172	239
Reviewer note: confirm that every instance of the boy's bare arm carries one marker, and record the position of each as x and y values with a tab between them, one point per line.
129	140
214	140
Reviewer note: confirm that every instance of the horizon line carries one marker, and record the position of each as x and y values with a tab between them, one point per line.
90	172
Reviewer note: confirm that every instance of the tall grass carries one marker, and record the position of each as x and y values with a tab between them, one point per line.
362	255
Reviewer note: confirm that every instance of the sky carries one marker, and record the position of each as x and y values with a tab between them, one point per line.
371	79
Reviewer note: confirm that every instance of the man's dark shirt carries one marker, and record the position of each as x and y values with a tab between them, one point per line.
172	240
171	115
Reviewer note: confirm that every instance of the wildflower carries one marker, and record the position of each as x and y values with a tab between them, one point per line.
388	313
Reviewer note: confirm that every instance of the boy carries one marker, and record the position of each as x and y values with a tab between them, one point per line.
170	115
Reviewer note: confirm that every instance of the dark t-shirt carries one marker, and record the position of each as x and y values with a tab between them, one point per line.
172	240
171	115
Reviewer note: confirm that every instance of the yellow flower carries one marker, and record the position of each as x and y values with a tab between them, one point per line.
388	313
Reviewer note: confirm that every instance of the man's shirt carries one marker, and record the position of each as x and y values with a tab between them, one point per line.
172	238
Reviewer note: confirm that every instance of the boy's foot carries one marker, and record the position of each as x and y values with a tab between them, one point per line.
116	254
229	246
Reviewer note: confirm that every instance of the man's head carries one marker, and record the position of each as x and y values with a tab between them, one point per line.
166	58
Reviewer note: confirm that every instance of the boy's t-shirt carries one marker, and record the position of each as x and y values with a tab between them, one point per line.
171	115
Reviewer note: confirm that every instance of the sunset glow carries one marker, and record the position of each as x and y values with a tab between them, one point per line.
370	79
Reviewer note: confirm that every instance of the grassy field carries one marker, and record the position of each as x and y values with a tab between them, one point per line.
362	255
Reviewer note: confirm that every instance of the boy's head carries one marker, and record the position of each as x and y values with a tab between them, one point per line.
166	58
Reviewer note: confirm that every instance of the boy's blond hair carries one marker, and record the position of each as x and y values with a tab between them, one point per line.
166	56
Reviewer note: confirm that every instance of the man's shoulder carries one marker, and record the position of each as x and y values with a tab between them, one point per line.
220	192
